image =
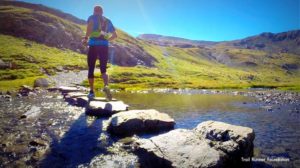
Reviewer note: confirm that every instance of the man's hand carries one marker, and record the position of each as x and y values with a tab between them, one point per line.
114	36
84	41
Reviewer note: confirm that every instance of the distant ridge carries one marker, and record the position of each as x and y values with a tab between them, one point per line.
43	8
174	41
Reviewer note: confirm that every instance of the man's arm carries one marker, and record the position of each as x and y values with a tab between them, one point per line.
88	32
113	36
89	29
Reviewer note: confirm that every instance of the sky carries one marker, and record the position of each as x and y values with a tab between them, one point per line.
211	20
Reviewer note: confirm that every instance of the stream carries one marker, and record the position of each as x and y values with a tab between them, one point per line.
63	136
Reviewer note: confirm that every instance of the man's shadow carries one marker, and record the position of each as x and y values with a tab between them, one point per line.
78	145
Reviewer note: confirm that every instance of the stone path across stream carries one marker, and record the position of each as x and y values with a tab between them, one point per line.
210	144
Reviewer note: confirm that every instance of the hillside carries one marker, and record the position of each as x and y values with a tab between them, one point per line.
174	41
137	63
285	42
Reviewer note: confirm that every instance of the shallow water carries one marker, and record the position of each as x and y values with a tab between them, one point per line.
277	132
78	140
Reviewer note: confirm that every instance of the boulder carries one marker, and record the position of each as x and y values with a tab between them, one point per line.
41	82
210	144
238	137
136	121
104	108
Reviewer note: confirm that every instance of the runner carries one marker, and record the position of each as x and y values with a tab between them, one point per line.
99	32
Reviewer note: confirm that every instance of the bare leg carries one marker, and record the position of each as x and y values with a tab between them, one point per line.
105	79
91	82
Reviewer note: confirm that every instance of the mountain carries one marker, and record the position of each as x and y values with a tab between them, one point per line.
42	8
40	24
285	42
39	41
173	41
57	29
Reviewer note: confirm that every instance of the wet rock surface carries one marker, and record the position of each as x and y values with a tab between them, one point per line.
210	144
103	108
34	111
137	121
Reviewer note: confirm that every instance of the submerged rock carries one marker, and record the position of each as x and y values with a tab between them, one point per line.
210	144
135	121
103	108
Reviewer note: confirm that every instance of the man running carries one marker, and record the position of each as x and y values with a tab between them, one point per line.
99	31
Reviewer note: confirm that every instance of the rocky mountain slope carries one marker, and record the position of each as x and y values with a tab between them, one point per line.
57	29
285	42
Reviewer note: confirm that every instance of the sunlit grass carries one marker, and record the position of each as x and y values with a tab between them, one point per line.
31	59
174	67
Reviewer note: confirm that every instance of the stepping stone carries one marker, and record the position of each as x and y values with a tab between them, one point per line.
137	121
75	94
210	144
71	98
82	101
66	89
100	107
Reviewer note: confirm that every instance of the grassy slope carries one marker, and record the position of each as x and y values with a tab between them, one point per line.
32	61
176	67
181	68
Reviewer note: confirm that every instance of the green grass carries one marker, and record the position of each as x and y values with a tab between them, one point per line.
32	60
7	85
175	67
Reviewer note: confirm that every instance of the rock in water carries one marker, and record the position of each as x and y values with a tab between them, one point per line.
228	138
41	82
33	112
135	121
210	144
102	108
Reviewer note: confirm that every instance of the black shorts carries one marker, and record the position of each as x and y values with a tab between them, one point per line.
100	52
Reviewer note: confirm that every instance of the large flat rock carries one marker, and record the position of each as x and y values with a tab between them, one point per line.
210	144
136	121
104	108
